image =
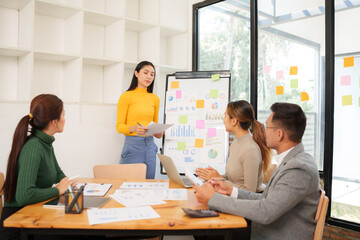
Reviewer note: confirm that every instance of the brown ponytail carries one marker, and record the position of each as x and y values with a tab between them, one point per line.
244	113
43	109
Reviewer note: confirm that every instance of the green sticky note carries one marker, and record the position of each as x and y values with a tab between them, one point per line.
215	77
294	83
359	101
214	93
181	146
347	100
183	119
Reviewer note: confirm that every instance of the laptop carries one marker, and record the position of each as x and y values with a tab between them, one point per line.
173	173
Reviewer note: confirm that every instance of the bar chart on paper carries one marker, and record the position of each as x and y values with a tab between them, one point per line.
182	131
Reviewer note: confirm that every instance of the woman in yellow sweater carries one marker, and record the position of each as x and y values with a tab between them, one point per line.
138	107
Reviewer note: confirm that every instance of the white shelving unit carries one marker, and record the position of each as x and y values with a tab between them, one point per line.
85	51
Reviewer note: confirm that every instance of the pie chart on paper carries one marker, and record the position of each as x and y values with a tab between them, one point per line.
212	153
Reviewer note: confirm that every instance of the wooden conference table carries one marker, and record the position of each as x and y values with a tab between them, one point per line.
35	219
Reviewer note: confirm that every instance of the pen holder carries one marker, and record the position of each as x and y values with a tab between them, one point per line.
74	201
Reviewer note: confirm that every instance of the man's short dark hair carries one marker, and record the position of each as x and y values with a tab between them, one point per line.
291	118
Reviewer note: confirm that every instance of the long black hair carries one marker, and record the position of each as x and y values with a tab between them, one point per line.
134	81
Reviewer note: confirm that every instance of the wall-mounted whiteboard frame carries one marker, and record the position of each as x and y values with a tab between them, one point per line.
196	104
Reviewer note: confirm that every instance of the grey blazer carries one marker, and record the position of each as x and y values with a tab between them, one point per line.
287	207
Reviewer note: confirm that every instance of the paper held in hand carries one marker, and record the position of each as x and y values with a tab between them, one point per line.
157	128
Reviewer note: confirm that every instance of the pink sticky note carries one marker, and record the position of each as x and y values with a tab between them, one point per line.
178	94
279	75
345	80
266	69
211	132
200	124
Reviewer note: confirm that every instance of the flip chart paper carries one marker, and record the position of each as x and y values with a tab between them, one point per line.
200	103
347	100
178	94
266	69
293	70
212	132
181	146
294	83
214	93
183	119
349	62
215	77
279	90
304	96
199	143
345	80
279	75
174	84
200	124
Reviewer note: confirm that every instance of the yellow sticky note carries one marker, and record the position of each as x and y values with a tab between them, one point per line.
304	96
294	83
200	103
214	93
215	77
293	70
183	119
181	146
347	100
174	84
279	90
199	143
349	62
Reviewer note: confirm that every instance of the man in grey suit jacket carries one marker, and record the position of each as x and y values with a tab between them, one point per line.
287	207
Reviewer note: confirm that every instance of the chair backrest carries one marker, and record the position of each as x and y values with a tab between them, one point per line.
1	190
123	171
321	215
269	171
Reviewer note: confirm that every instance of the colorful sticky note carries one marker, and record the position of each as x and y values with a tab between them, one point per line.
349	62
200	103
178	94
266	69
294	83
199	143
279	90
174	84
215	77
279	75
181	146
359	101
293	70
200	124
214	93
347	100
183	119
345	80
211	132
304	96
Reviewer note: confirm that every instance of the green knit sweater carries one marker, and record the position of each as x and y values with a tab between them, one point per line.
38	170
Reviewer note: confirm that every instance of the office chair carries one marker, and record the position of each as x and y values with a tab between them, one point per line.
321	215
124	171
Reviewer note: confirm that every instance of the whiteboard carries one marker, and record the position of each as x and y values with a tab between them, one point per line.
195	102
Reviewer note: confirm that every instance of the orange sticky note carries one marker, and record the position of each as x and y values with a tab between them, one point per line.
304	96
199	143
349	62
174	84
293	70
279	90
200	103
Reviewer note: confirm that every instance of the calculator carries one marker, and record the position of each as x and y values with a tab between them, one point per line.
200	213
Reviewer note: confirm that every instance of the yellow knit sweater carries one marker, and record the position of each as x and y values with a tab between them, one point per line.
136	106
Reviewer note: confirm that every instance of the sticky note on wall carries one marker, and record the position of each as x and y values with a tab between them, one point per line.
215	77
181	146
174	84
345	80
266	69
200	103
183	119
199	143
214	93
212	132
293	70
304	96
178	94
279	90
294	83
349	62
346	100
200	124
279	75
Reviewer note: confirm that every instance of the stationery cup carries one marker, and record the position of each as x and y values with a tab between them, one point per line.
74	201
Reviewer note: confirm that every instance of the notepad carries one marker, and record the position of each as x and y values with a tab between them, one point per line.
95	189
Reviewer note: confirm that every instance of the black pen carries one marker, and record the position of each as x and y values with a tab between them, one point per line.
139	124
